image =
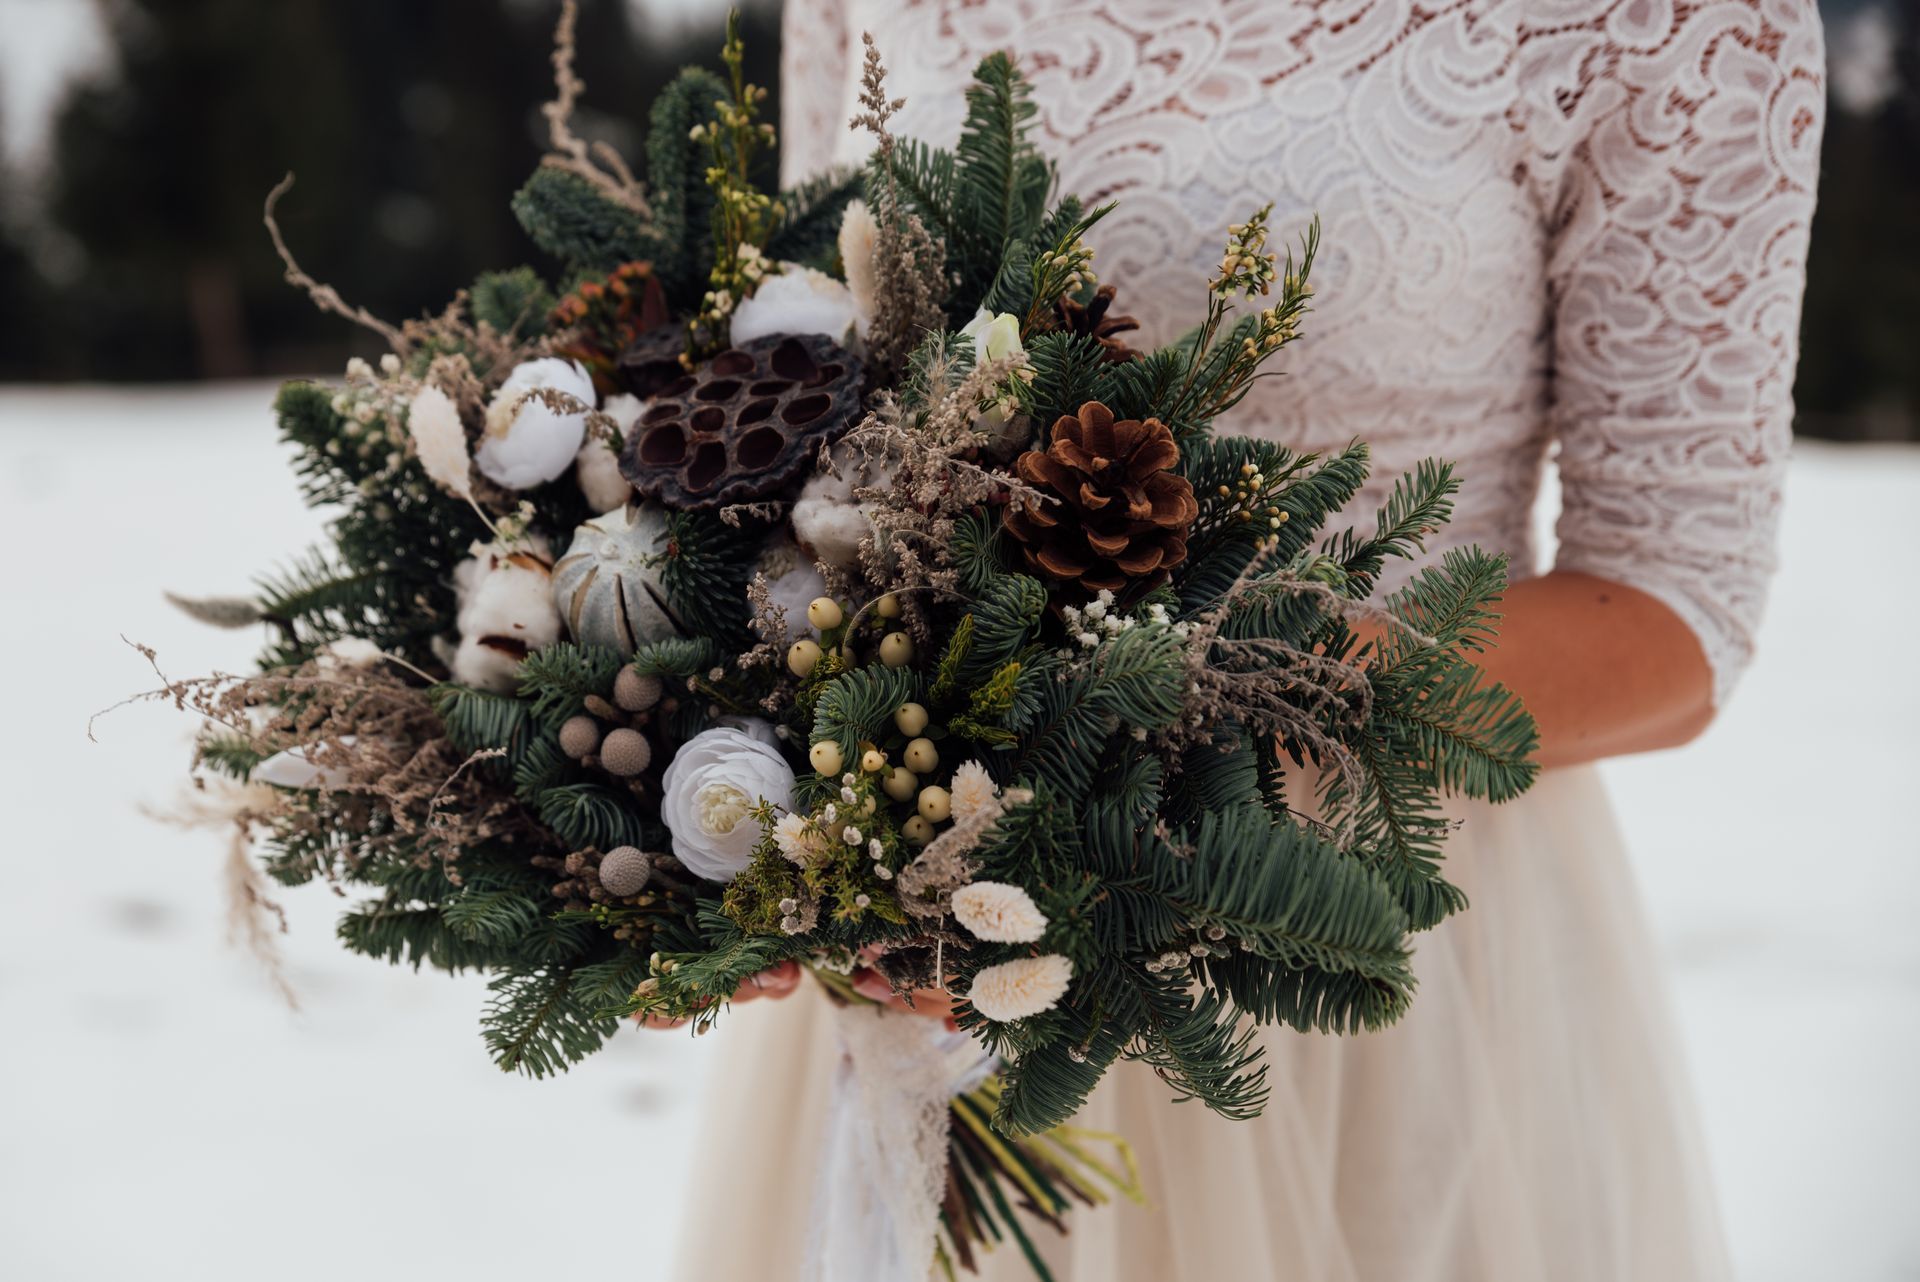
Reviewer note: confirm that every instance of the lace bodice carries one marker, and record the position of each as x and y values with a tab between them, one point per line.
1571	222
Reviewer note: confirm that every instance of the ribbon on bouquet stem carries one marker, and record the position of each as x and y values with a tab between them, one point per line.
884	1165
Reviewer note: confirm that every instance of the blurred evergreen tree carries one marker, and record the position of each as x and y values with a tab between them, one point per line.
1860	359
408	125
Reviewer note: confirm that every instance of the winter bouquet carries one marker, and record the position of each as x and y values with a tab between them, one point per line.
823	577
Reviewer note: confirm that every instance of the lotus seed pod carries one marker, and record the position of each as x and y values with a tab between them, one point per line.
826	757
579	737
901	784
921	756
825	612
888	606
896	649
936	804
911	718
873	761
634	692
917	830
803	656
625	871
625	753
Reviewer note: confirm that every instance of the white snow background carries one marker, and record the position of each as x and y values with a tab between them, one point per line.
163	1116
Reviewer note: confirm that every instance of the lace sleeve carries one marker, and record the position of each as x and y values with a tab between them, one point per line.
814	49
1678	144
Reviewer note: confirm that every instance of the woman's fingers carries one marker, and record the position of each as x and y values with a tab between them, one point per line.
928	1003
775	981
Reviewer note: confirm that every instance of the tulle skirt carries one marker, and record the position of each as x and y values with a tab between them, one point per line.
1527	1121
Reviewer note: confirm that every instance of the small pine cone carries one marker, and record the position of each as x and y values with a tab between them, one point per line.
625	753
1096	320
1123	512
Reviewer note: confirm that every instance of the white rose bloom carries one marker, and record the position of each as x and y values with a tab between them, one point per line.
597	466
709	793
996	338
999	913
800	300
1022	987
527	443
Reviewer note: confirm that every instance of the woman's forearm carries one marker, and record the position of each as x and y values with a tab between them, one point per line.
1604	668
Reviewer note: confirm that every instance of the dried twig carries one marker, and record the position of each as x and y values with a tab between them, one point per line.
325	297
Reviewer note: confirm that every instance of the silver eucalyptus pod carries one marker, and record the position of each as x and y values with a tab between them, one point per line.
608	587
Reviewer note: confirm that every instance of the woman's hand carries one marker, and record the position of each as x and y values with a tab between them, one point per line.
775	981
928	1003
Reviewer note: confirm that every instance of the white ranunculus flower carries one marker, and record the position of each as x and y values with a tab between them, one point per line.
709	793
994	337
527	442
1022	987
999	913
800	300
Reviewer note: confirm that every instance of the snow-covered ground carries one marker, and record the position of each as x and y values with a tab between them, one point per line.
163	1116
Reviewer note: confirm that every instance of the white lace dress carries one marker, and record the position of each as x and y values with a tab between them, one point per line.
1578	224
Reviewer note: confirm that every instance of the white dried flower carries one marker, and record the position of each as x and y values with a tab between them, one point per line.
999	913
439	441
355	653
859	239
798	840
1021	988
974	793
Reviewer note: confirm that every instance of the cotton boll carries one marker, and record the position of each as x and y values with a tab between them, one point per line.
1020	988
597	466
597	469
527	442
800	300
480	665
505	610
827	520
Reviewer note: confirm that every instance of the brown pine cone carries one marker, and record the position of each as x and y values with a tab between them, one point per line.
1097	321
1123	513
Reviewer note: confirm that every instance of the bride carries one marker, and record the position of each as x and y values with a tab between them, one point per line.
1578	224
